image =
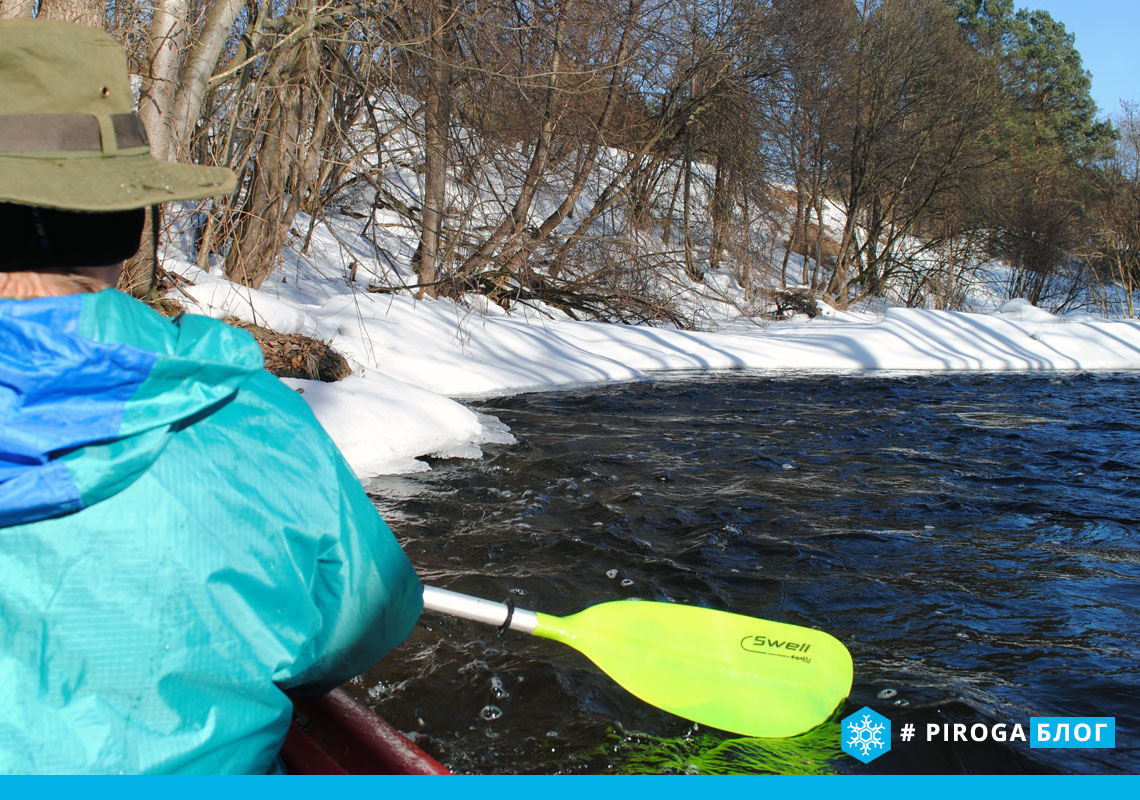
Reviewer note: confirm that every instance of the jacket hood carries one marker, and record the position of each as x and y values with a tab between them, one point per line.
92	385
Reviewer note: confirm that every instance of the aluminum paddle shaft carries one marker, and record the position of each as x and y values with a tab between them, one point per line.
479	610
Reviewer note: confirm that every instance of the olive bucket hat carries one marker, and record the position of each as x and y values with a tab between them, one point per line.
70	137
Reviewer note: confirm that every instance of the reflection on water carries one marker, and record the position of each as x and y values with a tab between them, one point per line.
972	539
709	754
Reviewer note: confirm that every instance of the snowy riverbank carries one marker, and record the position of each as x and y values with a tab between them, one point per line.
414	359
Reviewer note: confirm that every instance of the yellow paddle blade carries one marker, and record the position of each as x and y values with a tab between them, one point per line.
748	676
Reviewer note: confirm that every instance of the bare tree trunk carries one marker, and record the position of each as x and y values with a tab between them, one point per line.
724	193
795	227
437	119
720	206
86	12
156	101
200	64
16	9
167	39
218	228
687	217
288	124
258	238
667	223
325	138
817	253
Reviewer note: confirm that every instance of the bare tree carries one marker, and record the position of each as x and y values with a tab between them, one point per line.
196	70
166	46
915	106
288	119
571	90
442	49
548	110
801	112
687	81
1117	216
524	140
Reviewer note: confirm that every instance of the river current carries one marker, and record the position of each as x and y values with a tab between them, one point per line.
973	539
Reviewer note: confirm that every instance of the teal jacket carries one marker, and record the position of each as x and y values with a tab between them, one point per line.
180	545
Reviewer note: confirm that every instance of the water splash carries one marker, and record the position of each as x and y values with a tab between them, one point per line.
490	713
498	690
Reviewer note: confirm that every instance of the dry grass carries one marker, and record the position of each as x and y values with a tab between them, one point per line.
295	355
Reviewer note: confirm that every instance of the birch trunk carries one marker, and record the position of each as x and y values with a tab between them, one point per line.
86	12
16	9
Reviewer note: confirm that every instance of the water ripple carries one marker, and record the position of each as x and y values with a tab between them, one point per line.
972	538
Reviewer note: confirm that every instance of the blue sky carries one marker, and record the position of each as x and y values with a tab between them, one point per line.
1108	38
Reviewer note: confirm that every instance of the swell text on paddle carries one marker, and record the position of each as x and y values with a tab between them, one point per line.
766	645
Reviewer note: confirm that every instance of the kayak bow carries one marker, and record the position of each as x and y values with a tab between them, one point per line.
336	735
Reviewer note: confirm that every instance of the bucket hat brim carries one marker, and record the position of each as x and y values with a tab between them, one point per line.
70	134
107	184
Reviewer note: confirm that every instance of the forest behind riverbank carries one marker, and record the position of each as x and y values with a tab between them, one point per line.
599	156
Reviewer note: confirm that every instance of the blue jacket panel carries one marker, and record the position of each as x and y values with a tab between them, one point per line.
180	543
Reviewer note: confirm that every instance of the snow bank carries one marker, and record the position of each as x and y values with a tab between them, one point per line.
414	359
381	424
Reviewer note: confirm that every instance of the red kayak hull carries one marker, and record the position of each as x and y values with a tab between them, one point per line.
336	735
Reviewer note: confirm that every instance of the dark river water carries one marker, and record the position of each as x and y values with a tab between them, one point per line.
973	540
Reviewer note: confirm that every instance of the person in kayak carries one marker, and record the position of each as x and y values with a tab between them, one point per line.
181	544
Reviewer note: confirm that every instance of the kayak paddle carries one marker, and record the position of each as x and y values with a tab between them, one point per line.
744	675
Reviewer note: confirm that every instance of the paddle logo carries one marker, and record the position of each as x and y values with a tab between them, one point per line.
784	648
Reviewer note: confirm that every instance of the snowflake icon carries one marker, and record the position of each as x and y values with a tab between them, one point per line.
866	735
